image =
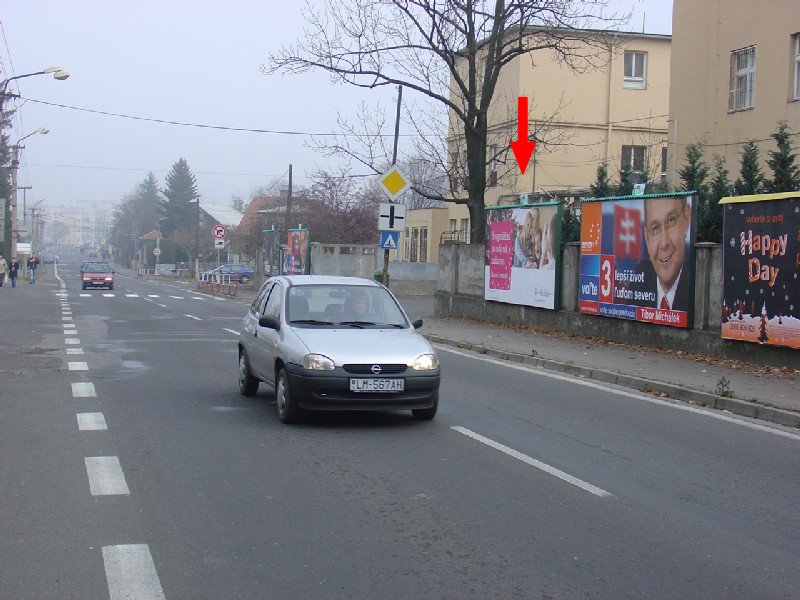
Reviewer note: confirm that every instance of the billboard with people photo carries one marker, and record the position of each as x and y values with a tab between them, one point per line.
295	258
523	258
637	258
761	269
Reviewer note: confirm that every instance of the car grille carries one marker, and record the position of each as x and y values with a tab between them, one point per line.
366	369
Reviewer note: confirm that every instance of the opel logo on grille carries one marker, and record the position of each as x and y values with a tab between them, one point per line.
375	369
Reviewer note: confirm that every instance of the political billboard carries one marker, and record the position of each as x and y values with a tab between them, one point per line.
295	258
523	254
637	258
761	269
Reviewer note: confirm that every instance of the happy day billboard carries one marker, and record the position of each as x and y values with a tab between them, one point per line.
523	257
761	269
637	258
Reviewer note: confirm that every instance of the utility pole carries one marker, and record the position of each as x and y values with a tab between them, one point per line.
11	230
288	202
24	189
385	272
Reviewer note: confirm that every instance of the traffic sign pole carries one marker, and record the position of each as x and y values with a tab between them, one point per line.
385	273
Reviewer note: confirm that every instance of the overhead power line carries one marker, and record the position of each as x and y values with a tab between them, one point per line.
202	125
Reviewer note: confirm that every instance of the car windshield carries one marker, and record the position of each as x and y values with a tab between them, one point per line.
352	306
96	268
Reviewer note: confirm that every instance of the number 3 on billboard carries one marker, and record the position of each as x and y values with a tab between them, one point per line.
606	280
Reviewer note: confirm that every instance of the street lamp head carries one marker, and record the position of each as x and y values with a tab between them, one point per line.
61	75
43	130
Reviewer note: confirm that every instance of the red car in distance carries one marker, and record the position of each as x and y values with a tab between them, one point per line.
97	274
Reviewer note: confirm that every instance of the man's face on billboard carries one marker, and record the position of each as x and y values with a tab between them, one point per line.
666	223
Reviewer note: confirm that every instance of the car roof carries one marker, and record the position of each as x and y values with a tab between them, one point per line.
301	280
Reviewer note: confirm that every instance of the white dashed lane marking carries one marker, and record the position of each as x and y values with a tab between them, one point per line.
535	463
231	331
72	341
132	295
78	366
177	297
193	317
153	296
131	573
74	350
91	422
83	389
105	476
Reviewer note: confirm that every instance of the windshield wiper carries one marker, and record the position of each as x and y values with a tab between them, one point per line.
359	324
309	322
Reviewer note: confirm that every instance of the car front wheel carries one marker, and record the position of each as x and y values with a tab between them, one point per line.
244	279
248	385
288	411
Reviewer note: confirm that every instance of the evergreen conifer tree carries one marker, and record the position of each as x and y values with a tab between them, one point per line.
625	186
181	192
709	228
695	172
751	179
785	173
602	186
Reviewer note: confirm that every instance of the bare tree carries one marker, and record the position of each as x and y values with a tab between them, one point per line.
451	51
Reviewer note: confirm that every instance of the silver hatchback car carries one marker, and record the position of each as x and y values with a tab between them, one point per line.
336	343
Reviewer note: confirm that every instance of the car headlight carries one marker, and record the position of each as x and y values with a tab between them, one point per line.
109	279
87	278
318	362
426	362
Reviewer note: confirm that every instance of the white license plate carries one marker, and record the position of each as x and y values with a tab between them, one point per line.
377	385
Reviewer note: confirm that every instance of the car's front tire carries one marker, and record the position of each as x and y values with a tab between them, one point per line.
427	414
111	287
83	286
248	385
288	411
244	279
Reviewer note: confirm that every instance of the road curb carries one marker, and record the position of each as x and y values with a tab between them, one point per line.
737	406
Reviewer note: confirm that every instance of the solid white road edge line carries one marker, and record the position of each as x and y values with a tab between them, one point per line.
612	390
131	573
91	422
83	389
105	476
592	489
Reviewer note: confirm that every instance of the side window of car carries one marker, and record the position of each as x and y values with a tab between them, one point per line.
259	301
273	306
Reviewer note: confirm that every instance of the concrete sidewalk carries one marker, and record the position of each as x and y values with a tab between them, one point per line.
754	391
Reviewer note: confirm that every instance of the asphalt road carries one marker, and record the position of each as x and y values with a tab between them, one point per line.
527	485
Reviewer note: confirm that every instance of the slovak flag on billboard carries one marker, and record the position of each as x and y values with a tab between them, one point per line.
628	233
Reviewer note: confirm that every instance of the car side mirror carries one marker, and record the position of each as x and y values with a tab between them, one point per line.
417	324
270	322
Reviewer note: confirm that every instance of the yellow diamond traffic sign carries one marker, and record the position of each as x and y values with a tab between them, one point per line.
394	182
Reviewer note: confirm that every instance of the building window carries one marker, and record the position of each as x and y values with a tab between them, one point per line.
635	70
465	229
797	66
633	158
453	224
743	79
423	244
414	244
493	160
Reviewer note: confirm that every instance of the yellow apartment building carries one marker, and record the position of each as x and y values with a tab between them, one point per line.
735	75
615	111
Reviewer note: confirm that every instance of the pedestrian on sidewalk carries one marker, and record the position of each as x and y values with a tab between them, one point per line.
13	270
33	264
3	270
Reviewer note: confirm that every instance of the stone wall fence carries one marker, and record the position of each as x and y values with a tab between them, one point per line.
460	293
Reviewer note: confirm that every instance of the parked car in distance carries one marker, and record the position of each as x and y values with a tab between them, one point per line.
336	343
96	274
231	273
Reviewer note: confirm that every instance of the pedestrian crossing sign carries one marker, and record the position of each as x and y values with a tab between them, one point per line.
389	240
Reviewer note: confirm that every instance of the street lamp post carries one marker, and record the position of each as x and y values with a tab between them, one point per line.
9	213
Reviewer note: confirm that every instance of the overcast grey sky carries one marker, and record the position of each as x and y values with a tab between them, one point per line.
191	61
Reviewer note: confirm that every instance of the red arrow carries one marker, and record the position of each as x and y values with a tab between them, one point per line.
523	148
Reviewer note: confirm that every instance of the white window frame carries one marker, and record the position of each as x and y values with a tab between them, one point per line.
493	162
743	79
796	66
631	80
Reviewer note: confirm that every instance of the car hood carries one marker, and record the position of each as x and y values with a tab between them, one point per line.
352	345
